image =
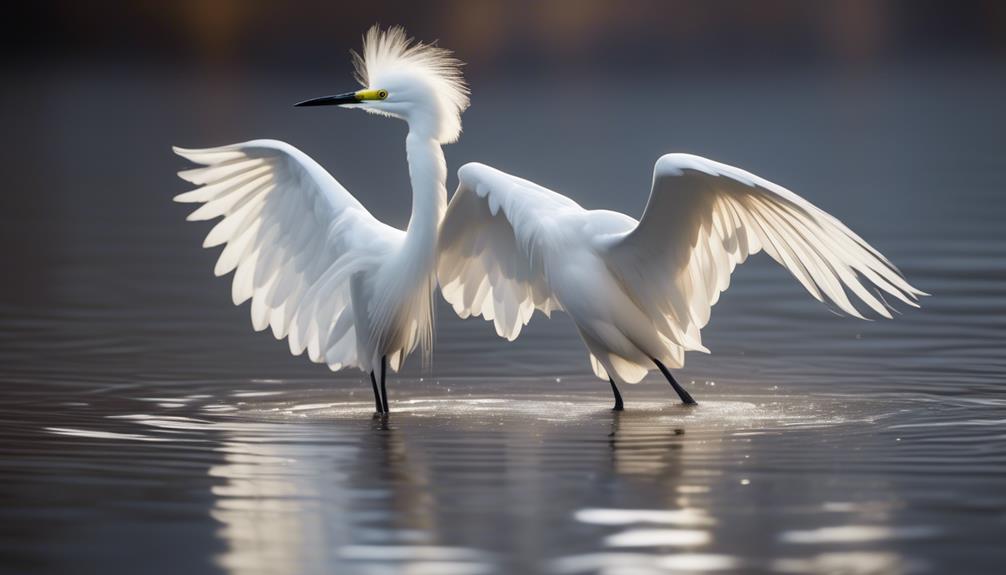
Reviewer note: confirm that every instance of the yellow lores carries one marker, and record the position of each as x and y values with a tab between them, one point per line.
364	95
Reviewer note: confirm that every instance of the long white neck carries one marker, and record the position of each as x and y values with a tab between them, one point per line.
428	173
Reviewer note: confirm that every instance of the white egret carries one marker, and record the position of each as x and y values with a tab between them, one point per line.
639	292
319	269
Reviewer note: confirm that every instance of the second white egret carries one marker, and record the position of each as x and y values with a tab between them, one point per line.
639	292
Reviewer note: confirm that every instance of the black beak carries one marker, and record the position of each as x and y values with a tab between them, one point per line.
337	100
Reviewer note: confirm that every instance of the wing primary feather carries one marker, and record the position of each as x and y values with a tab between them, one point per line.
290	230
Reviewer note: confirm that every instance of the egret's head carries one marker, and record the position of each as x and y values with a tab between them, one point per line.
419	83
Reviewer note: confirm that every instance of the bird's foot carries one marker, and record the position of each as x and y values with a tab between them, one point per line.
686	398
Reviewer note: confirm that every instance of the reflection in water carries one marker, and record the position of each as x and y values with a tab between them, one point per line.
645	450
850	563
303	486
685	517
311	487
856	534
539	484
615	563
95	434
334	500
271	506
682	459
658	538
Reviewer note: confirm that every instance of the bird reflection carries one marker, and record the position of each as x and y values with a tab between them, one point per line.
641	447
305	498
471	487
408	492
277	498
399	475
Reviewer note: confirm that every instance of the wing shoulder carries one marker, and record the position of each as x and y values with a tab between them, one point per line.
494	243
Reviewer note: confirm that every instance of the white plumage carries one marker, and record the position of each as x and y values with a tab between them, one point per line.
421	74
640	292
319	269
322	272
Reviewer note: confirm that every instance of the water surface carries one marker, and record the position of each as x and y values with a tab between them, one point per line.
143	427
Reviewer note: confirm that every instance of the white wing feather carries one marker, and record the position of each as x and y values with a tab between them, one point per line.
492	244
703	218
293	234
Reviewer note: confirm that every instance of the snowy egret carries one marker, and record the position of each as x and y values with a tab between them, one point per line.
639	292
317	266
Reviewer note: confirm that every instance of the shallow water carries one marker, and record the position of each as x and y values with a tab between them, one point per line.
144	427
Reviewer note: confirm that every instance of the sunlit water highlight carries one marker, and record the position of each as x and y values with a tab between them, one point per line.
538	481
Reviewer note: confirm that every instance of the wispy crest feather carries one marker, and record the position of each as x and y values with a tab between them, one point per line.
392	51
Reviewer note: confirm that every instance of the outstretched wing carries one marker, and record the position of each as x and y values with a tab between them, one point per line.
494	235
293	234
703	218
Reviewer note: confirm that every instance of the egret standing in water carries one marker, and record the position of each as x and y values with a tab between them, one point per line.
639	292
319	269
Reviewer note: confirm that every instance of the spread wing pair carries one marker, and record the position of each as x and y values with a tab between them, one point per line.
640	292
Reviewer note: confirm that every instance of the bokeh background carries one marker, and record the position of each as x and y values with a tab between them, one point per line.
521	37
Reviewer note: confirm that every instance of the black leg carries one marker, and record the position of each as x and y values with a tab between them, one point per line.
377	396
619	406
384	390
685	397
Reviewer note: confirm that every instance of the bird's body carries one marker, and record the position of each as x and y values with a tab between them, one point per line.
639	292
322	272
319	269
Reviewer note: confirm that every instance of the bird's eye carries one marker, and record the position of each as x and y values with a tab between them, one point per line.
382	94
